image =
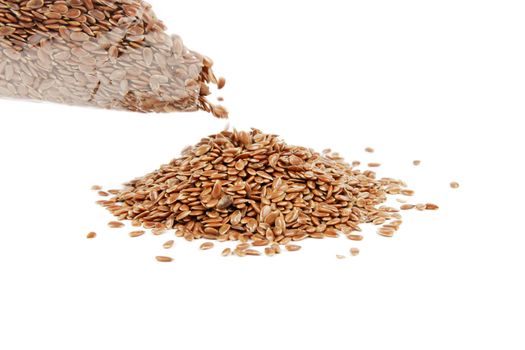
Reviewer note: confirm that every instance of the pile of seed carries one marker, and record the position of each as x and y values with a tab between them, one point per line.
254	188
112	54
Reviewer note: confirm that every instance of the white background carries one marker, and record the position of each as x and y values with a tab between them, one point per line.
441	81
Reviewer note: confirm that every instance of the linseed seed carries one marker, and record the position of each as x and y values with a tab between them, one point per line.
164	259
454	185
91	235
292	247
255	189
115	224
226	252
416	162
340	257
354	251
206	246
369	150
169	244
355	237
134	234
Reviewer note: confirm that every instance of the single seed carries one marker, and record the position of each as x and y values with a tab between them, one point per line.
91	235
96	187
416	162
292	247
226	252
454	185
269	251
421	206
164	259
103	194
115	224
220	83
134	234
168	244
369	150
407	206
430	206
35	4
340	257
355	237
206	246
354	251
252	252
374	165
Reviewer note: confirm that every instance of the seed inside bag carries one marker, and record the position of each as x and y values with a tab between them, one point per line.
108	54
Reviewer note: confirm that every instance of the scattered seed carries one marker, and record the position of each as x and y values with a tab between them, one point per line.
115	224
421	206
407	206
96	188
340	257
292	247
103	194
134	234
454	185
416	162
164	259
355	237
430	206
206	246
91	235
226	252
252	252
374	165
354	251
169	244
369	150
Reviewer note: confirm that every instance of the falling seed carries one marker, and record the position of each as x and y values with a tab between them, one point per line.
416	162
206	246
91	235
96	187
220	83
340	257
354	251
374	165
168	244
369	150
454	185
226	252
164	259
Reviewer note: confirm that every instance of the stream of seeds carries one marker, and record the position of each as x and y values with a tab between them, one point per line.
255	189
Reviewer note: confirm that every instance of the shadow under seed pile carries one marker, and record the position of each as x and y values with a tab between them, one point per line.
253	187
